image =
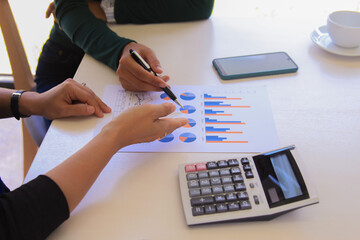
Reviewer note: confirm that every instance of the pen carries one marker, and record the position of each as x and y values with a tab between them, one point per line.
136	56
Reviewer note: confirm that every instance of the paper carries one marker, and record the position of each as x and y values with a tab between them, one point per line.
221	119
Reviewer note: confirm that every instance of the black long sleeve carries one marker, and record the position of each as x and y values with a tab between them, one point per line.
33	210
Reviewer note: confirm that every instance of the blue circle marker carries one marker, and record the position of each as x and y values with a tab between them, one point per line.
167	138
187	96
187	137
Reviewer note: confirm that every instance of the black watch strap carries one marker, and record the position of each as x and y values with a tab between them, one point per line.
14	104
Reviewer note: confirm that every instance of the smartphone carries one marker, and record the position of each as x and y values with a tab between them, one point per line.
254	65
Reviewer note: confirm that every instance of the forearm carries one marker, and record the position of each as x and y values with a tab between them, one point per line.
28	103
90	33
76	175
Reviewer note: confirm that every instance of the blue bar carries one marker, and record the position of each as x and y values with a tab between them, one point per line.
212	129
216	104
215	138
208	120
209	96
210	111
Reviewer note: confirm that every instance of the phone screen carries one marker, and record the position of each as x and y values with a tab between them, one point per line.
254	65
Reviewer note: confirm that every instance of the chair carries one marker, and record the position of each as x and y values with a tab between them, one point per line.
33	128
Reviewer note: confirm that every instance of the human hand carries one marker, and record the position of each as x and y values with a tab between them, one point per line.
67	99
144	123
133	77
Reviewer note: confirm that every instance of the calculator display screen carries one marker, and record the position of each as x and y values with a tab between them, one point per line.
281	178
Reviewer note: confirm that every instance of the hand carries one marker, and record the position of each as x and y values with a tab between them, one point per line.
144	123
67	99
133	77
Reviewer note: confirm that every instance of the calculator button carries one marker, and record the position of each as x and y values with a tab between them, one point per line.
229	188
224	172
206	191
191	176
218	189
201	201
245	205
196	211
247	167
243	196
244	161
221	207
233	162
235	170
249	174
201	167
214	173
226	180
193	184
231	197
211	165
256	199
222	164
240	187
204	182
210	209
194	192
252	185
190	168
203	174
215	181
237	178
220	198
233	206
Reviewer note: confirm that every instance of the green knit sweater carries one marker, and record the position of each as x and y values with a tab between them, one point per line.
81	29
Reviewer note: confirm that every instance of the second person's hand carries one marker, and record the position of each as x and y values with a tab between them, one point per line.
133	77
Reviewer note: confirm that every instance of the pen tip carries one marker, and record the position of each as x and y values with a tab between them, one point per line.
179	103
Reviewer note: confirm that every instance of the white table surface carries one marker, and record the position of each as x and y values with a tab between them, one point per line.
318	109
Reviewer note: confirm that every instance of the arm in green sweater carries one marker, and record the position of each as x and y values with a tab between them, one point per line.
96	39
89	33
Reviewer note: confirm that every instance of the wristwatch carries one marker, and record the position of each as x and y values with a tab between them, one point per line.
14	104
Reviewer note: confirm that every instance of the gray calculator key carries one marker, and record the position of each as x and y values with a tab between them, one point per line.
196	211
229	188
191	176
240	186
245	205
215	181
224	172
194	192
193	184
201	201
243	196
226	180
220	198
203	175
231	197
233	162
218	189
221	207
233	206
204	182
210	209
235	170
237	178
214	173
222	164
206	191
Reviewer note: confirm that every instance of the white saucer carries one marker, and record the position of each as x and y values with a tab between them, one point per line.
321	38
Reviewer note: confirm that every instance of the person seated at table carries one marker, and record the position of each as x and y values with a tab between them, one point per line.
81	26
38	207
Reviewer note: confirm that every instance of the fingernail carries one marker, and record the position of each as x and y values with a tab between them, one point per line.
159	67
90	109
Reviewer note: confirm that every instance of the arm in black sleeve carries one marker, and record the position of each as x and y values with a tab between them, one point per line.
160	11
33	210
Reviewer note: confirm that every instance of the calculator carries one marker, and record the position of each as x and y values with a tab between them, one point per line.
249	187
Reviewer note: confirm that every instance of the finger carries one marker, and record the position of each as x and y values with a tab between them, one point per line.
162	110
152	60
142	75
171	124
79	110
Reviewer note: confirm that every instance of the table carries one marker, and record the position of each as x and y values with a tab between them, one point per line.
318	109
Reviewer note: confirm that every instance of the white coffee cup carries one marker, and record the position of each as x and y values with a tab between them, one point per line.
344	28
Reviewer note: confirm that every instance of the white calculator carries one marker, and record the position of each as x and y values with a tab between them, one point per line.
250	187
